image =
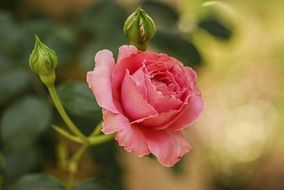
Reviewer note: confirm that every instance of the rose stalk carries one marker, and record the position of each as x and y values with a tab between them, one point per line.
43	62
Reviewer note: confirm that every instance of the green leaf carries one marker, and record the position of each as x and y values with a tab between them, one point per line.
111	43
78	98
2	160
164	16
216	28
6	62
81	104
11	36
93	184
13	81
38	182
105	156
177	47
24	122
97	26
101	20
15	167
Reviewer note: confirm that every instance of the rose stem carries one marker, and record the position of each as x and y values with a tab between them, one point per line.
62	112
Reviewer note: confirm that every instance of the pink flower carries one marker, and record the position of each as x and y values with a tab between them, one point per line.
147	99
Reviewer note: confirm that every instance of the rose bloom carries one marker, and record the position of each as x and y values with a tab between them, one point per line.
147	100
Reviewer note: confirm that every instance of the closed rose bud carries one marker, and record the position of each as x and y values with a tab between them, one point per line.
43	61
139	28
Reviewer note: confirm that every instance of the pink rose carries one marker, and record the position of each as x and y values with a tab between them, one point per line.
147	99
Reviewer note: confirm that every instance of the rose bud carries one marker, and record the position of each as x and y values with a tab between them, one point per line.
147	100
43	61
139	28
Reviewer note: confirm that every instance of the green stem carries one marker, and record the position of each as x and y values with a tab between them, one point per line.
141	47
62	112
67	135
97	129
78	155
62	154
73	165
100	139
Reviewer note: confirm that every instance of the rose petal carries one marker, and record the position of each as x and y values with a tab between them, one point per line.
113	122
126	135
132	100
129	63
133	140
139	79
192	76
189	114
99	80
160	102
126	51
158	121
167	146
162	120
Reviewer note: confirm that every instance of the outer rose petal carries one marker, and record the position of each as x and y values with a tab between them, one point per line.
168	146
132	100
113	122
99	80
127	135
191	74
189	114
125	51
133	140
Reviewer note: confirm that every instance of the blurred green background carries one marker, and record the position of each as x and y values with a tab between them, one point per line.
237	48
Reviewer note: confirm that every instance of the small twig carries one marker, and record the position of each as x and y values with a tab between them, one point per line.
62	155
62	112
66	134
99	139
97	130
72	165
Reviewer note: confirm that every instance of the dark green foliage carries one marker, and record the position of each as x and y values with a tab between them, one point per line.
165	16
24	122
109	169
78	98
93	184
178	47
14	80
215	27
101	26
11	37
38	182
80	102
14	167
